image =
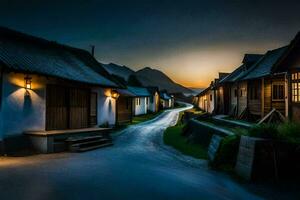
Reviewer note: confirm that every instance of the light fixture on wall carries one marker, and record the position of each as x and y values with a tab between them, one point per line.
115	94
27	82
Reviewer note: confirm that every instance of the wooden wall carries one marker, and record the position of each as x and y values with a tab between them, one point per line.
242	97
255	104
124	109
269	104
233	99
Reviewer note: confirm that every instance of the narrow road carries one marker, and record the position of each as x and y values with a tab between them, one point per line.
139	166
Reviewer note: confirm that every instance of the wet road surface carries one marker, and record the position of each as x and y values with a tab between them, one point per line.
138	166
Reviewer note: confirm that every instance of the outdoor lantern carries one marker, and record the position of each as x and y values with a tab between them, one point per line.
27	81
115	94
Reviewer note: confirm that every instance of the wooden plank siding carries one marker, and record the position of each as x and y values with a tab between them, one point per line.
254	97
233	99
242	99
269	103
67	108
79	108
56	107
124	109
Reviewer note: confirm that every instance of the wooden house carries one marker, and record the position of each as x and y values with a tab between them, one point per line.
166	100
124	106
153	105
140	100
48	89
287	69
221	95
206	99
266	89
238	88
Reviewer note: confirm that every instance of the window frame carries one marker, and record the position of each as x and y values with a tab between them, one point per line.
295	91
278	84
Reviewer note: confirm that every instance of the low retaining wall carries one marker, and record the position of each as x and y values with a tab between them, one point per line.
261	159
202	132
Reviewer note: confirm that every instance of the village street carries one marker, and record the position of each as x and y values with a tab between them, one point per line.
138	166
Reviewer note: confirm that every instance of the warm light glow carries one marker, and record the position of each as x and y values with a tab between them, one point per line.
27	82
114	94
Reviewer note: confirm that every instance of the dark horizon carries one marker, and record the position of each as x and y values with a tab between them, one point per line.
190	41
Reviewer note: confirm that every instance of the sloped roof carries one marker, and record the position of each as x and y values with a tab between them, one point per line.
238	73
125	92
235	75
165	96
139	91
152	90
29	54
264	66
251	58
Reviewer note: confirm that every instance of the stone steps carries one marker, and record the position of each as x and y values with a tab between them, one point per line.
86	143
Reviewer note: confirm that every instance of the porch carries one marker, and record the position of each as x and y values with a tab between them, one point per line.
75	140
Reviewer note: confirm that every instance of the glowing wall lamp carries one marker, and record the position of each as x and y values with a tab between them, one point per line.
115	94
27	82
27	85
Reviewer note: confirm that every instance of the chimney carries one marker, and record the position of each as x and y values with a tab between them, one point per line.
93	50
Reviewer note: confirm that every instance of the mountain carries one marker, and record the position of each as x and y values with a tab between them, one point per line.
196	90
118	70
153	77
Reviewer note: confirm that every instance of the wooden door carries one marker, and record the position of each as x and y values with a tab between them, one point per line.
124	109
79	108
56	107
67	108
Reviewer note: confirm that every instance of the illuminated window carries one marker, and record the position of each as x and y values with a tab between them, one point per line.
138	101
296	87
242	92
278	91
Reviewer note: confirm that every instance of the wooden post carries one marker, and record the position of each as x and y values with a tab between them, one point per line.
286	95
262	97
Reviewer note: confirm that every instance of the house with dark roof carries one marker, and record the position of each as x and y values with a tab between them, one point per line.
140	99
125	106
237	89
287	68
49	89
221	94
166	100
266	89
206	99
153	105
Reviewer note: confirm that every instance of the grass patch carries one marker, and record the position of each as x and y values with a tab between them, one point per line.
143	118
173	137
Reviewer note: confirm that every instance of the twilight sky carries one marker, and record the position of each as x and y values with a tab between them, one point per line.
191	41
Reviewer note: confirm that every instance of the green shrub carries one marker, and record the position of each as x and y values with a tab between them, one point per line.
289	131
267	131
226	156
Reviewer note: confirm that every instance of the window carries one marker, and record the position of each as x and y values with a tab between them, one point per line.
278	91
210	97
296	87
138	101
147	100
242	92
